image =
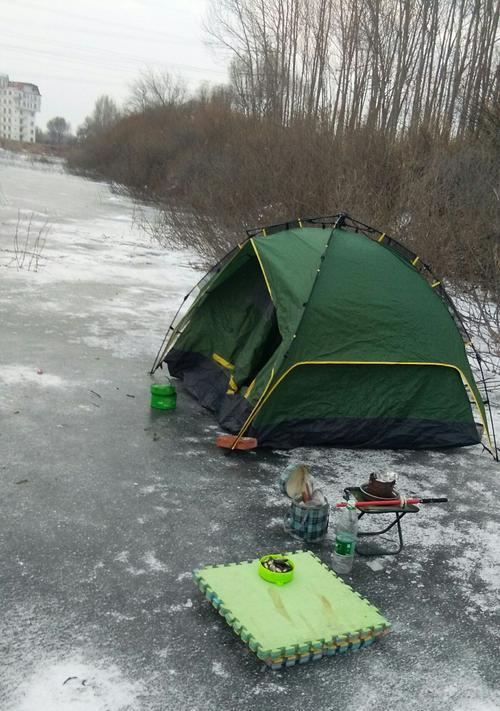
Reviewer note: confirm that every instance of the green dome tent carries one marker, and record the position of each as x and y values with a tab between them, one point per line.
324	331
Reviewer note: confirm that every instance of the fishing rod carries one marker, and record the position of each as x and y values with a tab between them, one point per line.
402	501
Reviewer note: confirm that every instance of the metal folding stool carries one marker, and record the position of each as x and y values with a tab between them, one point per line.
398	511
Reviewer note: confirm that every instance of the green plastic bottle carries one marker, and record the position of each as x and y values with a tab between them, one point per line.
346	534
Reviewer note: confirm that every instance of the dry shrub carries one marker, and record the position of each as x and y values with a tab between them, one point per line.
214	172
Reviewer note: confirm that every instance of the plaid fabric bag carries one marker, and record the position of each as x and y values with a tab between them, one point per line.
305	520
310	524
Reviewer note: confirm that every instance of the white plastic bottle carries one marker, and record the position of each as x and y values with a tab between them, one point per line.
346	534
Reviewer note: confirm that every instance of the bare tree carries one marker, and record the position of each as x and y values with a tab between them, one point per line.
58	130
280	52
156	89
104	115
393	65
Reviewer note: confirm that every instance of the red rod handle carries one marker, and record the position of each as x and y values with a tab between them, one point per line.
393	502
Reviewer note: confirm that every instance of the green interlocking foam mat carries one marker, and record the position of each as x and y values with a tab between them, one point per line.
315	614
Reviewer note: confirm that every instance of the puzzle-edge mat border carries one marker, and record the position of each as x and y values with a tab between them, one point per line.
310	650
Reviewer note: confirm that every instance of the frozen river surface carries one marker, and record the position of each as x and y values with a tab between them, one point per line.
106	506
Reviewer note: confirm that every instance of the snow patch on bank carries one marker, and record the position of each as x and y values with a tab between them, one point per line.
117	289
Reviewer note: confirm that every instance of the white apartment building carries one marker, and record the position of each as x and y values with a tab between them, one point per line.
19	103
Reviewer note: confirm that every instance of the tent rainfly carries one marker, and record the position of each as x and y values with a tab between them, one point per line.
325	331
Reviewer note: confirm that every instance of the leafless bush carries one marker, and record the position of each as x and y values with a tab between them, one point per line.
214	172
28	243
481	316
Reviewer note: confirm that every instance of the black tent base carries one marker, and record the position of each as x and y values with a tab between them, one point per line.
367	433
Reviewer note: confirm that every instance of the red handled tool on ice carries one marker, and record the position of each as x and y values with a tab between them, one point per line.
402	501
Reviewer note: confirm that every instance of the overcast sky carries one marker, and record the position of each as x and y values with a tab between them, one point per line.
76	50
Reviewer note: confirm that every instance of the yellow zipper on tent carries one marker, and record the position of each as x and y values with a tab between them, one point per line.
262	268
267	393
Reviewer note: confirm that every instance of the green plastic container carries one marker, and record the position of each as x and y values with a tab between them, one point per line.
272	577
163	396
